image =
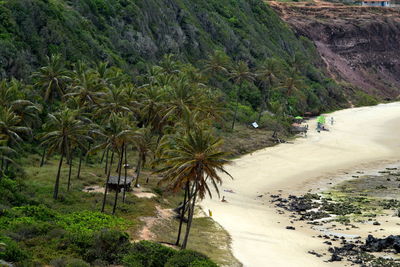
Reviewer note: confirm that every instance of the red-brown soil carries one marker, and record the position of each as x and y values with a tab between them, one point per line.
358	45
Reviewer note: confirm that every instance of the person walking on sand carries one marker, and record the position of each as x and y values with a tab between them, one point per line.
332	120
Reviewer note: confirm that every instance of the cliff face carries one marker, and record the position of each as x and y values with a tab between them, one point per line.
358	45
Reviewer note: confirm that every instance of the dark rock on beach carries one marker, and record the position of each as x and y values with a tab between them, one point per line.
373	244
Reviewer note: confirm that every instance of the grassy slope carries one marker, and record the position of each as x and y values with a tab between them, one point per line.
39	185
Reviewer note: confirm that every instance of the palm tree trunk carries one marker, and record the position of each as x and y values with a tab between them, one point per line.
43	156
57	184
69	173
105	169
236	108
126	174
78	176
119	178
190	219
139	168
108	179
182	214
87	154
102	156
263	104
1	169
160	135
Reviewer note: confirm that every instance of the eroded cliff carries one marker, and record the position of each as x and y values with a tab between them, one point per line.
358	45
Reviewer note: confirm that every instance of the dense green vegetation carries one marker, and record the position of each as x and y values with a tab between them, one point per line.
84	112
91	86
130	34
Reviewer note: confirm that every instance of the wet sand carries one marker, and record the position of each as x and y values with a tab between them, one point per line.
361	138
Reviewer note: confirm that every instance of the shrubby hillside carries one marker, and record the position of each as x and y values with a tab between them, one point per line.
130	32
133	34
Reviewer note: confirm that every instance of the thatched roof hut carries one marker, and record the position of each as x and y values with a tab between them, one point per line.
113	182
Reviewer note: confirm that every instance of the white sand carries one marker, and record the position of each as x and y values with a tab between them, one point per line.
361	138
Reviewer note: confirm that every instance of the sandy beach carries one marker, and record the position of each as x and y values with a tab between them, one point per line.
360	139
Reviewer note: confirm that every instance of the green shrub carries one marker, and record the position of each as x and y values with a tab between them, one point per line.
189	258
109	245
148	254
363	99
77	263
69	262
82	225
39	212
10	192
202	263
10	251
27	230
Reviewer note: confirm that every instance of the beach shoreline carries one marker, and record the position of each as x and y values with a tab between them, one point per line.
361	139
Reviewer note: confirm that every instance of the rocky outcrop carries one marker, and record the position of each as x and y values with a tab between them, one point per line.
358	45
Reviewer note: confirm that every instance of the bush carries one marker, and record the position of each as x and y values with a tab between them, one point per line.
10	192
202	263
10	251
69	262
363	99
77	263
148	254
82	225
108	245
189	258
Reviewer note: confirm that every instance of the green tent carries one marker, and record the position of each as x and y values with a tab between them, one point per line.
298	118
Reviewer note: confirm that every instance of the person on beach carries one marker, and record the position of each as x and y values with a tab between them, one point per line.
332	120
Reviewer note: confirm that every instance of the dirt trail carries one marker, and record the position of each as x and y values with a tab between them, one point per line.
150	222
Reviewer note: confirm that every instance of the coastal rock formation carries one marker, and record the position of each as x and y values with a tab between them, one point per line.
373	244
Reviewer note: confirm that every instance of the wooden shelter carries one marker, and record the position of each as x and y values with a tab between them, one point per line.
113	183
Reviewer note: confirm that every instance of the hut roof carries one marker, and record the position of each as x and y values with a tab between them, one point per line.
114	180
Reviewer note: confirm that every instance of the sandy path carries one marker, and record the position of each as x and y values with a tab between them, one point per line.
360	138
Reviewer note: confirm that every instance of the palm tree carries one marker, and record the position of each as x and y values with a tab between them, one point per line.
169	65
143	141
113	102
65	131
267	75
10	126
193	160
86	88
239	74
12	96
53	78
292	86
116	135
5	153
216	63
151	104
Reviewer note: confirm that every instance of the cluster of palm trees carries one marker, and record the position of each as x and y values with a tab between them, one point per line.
165	114
280	84
83	110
